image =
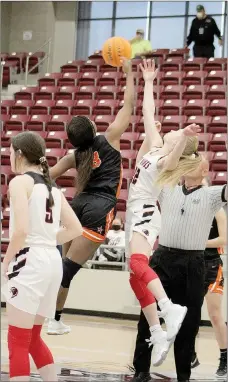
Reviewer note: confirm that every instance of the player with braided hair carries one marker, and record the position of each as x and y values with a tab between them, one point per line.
32	266
97	160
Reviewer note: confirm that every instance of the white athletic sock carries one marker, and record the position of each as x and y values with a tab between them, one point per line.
155	328
156	332
164	303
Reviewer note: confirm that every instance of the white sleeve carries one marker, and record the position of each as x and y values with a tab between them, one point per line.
216	197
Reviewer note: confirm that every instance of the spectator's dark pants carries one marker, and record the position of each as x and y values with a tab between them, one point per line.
182	275
206	51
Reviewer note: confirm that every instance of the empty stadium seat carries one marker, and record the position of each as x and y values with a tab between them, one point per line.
58	122
127	140
66	92
67	179
6	105
193	64
128	158
194	77
45	93
194	91
42	107
219	161
5	174
127	176
69	79
103	121
218	124
171	78
21	107
53	155
172	122
122	200
72	66
26	92
5	158
89	79
50	79
109	79
107	92
220	178
86	92
69	192
216	92
83	107
56	139
170	107
215	64
195	107
17	122
105	107
218	142
37	122
217	107
62	107
172	92
171	64
215	77
200	120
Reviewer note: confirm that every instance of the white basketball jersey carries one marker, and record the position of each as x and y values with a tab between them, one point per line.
143	185
44	223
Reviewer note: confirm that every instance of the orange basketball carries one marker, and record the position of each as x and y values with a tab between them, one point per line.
115	48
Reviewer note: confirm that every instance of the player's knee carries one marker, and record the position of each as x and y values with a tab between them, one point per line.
70	268
38	349
19	340
139	264
144	296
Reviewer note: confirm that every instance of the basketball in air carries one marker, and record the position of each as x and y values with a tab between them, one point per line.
115	48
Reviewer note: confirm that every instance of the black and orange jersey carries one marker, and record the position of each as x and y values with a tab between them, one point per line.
106	177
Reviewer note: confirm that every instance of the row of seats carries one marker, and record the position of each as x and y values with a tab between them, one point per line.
111	107
16	62
44	122
128	156
117	92
170	63
213	77
58	122
129	141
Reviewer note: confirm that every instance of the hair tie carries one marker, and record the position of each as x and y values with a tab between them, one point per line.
43	160
196	153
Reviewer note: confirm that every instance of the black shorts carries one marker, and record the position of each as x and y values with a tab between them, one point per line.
214	280
95	213
206	51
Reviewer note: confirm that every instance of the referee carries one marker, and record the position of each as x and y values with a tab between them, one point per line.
202	32
187	213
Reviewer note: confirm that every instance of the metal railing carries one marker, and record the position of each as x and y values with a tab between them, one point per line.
45	58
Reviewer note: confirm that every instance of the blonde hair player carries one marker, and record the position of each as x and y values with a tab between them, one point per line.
32	264
156	164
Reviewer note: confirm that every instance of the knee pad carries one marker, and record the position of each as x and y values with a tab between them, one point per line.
70	268
19	340
38	349
139	264
144	296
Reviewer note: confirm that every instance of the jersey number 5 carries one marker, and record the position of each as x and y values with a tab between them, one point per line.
136	175
48	216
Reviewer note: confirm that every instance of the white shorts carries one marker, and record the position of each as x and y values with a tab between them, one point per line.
139	219
35	276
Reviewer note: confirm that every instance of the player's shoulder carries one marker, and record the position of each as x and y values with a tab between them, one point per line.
23	179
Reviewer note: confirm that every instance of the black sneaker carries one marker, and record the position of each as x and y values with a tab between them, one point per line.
194	361
141	377
221	373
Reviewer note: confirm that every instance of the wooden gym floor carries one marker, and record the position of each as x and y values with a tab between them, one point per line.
100	349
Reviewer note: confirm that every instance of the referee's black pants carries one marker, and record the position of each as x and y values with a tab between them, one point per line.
205	51
182	275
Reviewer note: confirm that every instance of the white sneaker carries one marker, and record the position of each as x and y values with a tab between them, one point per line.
57	328
160	347
173	315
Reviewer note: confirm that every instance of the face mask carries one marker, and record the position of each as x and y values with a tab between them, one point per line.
199	15
116	227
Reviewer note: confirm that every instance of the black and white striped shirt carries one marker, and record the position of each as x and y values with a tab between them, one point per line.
187	215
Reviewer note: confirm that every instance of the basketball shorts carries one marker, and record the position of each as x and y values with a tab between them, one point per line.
142	217
34	278
95	213
214	280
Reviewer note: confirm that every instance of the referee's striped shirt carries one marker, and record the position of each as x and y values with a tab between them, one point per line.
187	215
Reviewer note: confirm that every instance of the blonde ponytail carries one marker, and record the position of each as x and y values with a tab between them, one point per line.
188	162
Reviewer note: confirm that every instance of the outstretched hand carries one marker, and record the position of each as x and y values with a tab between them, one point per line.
148	70
126	64
192	130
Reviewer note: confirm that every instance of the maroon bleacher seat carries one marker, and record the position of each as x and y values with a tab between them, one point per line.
172	92
89	79
218	124
72	66
172	122
194	91
17	122
193	64
171	64
69	192
218	142
128	158
103	121
127	140
216	77
194	77
109	79
170	107
42	107
217	107
58	122
56	139
66	92
195	107
50	79
200	120
69	79
26	92
83	107
37	122
6	105
21	107
219	161
67	179
216	92
62	107
107	92
105	107
86	92
45	93
215	64
220	178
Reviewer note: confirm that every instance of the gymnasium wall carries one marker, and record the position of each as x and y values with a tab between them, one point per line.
47	19
110	292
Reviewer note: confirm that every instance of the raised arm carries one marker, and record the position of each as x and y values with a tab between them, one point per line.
152	129
219	241
122	120
170	161
64	164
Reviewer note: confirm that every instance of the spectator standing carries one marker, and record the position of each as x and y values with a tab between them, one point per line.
116	238
140	46
202	32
